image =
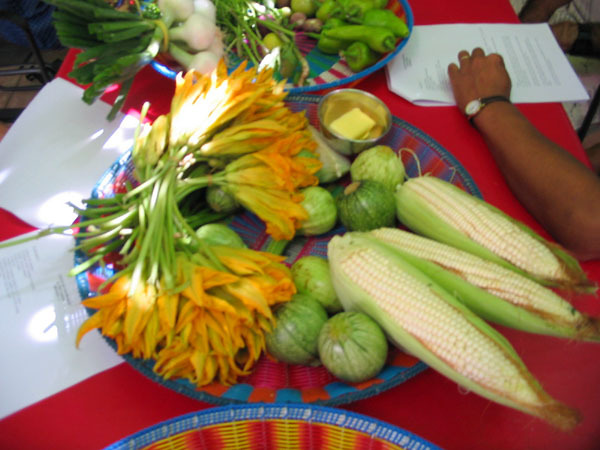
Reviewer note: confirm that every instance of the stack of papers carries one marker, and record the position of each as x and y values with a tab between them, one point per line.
40	314
54	153
539	70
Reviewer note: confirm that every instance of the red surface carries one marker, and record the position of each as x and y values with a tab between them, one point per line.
120	401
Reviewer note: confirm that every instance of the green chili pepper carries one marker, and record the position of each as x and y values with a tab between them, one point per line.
334	22
380	4
386	19
379	39
328	9
329	45
358	8
359	55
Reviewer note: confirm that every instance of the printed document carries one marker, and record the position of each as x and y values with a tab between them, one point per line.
40	314
539	70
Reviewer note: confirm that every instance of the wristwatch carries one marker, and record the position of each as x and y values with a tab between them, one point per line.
475	106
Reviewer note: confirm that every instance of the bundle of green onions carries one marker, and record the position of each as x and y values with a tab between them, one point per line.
116	44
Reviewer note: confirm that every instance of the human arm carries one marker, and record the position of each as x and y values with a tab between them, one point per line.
557	189
581	39
537	11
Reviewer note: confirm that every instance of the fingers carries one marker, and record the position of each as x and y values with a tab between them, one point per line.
463	54
452	70
465	58
478	53
497	59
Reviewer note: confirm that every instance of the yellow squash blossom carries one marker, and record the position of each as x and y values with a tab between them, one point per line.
268	182
211	329
203	316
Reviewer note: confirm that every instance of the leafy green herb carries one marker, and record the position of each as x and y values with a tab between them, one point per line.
244	24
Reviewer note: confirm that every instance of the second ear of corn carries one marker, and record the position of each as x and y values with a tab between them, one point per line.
424	319
493	292
439	210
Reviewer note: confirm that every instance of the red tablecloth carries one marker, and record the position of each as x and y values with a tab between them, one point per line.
120	401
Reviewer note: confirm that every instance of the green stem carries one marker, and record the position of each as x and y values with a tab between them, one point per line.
146	240
57	230
38	235
91	242
129	242
274	26
141	187
108	222
189	185
103	201
120	100
155	230
98	256
169	240
180	55
182	223
95	212
277	247
85	265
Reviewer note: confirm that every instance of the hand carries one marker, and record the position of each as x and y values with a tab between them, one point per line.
539	11
566	34
478	76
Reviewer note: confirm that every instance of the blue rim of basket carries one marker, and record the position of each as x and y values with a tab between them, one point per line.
310	413
169	73
345	393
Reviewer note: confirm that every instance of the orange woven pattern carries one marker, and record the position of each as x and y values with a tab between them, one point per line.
273	427
272	434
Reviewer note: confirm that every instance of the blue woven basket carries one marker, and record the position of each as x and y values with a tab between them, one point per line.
263	426
273	382
326	71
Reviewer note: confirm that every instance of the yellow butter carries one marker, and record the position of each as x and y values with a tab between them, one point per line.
354	124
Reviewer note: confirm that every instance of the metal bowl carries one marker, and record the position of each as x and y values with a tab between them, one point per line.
338	102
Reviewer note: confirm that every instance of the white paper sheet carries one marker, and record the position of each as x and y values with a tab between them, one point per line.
538	68
56	151
40	313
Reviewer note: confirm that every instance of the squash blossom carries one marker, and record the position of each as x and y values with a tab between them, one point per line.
268	183
212	329
201	311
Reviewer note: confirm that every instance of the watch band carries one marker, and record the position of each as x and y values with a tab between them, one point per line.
482	103
584	44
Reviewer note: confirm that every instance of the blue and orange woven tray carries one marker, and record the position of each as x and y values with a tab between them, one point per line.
326	71
273	382
264	426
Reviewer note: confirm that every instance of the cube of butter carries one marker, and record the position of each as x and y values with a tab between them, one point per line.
354	124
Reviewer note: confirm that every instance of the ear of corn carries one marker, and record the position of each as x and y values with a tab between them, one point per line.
439	210
425	320
491	291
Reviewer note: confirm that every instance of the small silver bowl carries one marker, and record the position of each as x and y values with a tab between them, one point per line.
336	103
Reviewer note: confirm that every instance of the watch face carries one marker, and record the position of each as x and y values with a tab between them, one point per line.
472	107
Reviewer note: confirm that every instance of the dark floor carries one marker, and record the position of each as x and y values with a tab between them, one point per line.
18	89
